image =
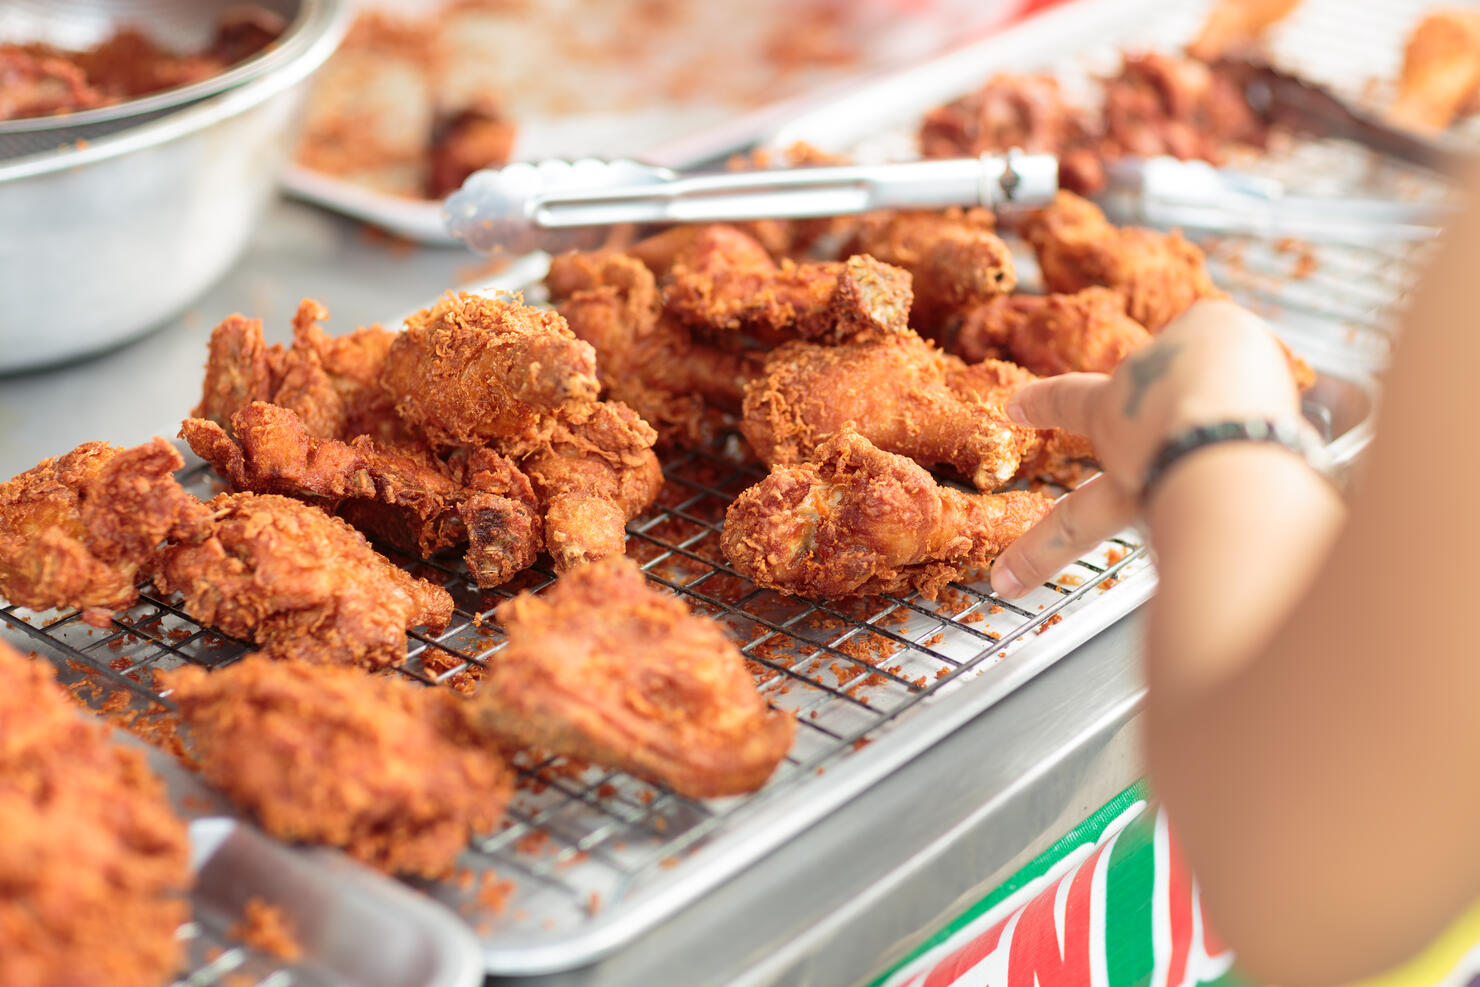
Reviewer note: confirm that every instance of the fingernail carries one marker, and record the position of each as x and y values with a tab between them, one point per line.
1014	413
1005	582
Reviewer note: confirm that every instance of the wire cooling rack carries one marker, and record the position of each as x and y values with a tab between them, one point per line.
579	842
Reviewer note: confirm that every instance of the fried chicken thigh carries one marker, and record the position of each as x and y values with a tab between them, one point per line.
647	359
82	530
893	390
1087	331
723	280
1159	274
300	583
403	495
954	257
94	865
858	521
373	765
472	370
605	668
1441	71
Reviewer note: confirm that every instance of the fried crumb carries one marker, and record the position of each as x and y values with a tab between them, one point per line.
494	893
267	929
1056	618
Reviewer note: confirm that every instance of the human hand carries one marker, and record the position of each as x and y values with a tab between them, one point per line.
1215	363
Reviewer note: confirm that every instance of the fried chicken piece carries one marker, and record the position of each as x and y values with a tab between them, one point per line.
1159	274
647	359
35	82
470	370
1441	71
300	583
1019	111
724	281
607	669
893	390
402	495
1161	104
955	259
858	521
476	136
1233	24
1049	454
594	470
94	865
1050	334
84	529
377	766
332	383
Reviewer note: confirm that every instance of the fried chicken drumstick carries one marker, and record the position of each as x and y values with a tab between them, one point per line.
402	495
380	767
723	280
605	668
300	583
893	390
858	521
1043	453
1160	275
94	865
647	359
82	530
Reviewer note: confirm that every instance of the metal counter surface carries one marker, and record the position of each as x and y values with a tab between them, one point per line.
973	808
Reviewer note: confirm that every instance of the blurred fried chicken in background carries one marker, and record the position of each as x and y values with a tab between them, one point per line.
1441	71
606	668
383	768
95	864
1236	24
857	521
300	583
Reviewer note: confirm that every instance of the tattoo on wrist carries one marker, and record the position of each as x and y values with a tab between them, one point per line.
1146	369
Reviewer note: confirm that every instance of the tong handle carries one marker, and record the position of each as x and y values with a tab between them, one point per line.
991	181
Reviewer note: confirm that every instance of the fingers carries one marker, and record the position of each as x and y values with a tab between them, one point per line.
1077	523
1066	401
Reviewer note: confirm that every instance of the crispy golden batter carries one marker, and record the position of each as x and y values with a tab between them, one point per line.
403	495
954	257
605	668
84	529
1234	24
594	470
94	865
1050	334
893	389
470	369
332	383
723	280
857	521
377	766
300	583
647	359
1160	274
1441	71
1043	453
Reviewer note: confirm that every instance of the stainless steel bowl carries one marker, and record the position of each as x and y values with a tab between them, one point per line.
101	243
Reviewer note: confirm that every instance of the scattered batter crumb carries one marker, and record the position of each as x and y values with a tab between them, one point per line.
1056	618
494	893
266	929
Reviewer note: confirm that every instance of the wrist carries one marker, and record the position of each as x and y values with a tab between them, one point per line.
1287	434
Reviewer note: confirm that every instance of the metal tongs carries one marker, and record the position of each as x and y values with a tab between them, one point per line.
524	206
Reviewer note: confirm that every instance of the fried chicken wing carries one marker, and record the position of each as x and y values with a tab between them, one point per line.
858	521
647	359
954	257
403	495
1043	453
1050	334
723	280
1441	71
605	668
893	389
1159	274
371	764
1235	24
83	529
594	470
300	583
332	383
94	865
470	369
